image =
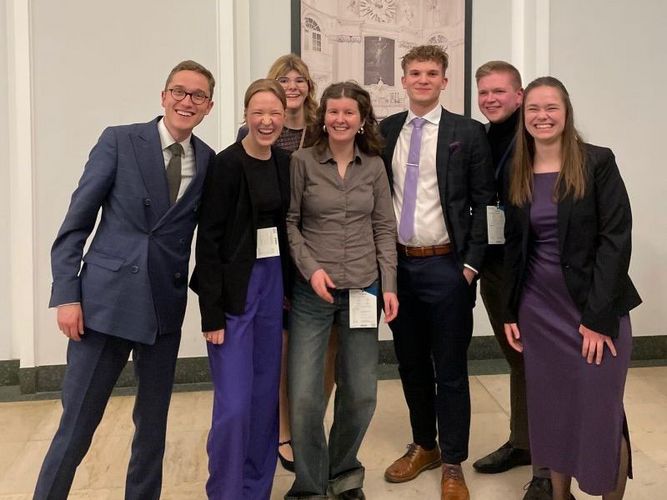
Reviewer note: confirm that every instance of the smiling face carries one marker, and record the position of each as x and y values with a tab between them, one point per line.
545	114
296	88
423	81
497	96
181	117
264	116
342	119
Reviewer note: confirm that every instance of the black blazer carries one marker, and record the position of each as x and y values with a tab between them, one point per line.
594	236
465	179
227	235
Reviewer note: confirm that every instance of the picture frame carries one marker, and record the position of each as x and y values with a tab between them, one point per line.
364	41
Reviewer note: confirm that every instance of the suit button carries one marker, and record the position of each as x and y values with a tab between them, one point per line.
182	241
147	202
566	266
134	269
177	276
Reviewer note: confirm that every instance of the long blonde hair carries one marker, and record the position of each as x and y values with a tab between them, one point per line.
571	179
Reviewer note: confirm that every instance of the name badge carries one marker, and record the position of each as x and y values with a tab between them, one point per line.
495	225
267	242
363	307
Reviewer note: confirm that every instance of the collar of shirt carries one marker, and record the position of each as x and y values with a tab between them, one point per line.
327	157
167	140
432	116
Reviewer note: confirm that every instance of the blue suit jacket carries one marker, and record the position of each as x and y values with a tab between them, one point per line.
133	281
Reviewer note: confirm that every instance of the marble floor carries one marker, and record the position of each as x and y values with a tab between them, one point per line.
27	427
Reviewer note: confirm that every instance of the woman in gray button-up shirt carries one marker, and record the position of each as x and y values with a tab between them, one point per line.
342	236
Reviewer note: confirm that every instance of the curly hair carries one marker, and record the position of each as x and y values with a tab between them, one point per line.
426	53
370	141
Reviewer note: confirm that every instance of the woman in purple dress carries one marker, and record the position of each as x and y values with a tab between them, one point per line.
568	235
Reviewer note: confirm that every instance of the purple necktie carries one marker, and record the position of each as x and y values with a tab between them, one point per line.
406	228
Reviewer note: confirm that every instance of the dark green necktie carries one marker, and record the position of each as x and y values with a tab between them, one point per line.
174	171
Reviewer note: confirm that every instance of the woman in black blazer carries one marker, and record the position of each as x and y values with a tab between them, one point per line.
568	241
240	277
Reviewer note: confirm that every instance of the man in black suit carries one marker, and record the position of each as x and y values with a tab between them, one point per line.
440	171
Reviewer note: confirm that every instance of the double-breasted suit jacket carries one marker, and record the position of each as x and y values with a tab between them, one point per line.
594	240
134	277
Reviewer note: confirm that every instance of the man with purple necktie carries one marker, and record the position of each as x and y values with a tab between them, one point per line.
441	175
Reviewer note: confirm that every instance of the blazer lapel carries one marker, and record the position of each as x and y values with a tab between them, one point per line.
564	210
393	131
148	152
201	164
445	141
202	158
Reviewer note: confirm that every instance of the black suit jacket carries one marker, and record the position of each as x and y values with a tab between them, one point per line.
594	236
465	179
227	235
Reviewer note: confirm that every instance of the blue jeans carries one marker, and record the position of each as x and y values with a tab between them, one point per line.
317	466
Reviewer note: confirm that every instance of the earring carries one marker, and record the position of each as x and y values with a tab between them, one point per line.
361	130
324	129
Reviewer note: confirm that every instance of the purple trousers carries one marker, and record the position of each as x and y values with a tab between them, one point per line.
243	442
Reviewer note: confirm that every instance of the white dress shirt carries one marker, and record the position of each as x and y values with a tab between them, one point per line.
187	160
430	226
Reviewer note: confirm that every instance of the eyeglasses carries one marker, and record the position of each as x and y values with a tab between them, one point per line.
196	97
299	81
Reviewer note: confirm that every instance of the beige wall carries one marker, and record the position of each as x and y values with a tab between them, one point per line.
5	333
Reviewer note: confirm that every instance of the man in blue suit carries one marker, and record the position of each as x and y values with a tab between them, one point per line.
130	293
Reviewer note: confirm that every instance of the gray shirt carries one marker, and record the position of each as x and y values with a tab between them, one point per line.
344	226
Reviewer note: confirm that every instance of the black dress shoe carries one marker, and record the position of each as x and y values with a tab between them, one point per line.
539	488
504	458
353	494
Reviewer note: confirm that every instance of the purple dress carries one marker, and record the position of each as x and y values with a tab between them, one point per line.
575	410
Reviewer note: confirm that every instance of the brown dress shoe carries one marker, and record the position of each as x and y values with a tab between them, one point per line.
414	462
453	484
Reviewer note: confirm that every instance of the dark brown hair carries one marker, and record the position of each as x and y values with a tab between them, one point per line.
370	141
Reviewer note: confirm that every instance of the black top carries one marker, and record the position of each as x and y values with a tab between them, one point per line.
263	182
501	136
227	235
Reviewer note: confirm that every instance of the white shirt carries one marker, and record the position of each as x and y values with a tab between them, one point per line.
187	160
430	226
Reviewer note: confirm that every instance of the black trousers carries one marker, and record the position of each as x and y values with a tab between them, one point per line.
93	367
431	337
491	290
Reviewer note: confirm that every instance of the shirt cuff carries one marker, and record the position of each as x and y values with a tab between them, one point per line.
471	268
68	304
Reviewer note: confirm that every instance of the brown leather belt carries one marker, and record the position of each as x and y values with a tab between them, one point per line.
429	251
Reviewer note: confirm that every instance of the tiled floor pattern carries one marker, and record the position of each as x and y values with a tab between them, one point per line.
27	427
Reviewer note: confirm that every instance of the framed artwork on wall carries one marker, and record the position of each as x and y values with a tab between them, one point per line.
364	40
